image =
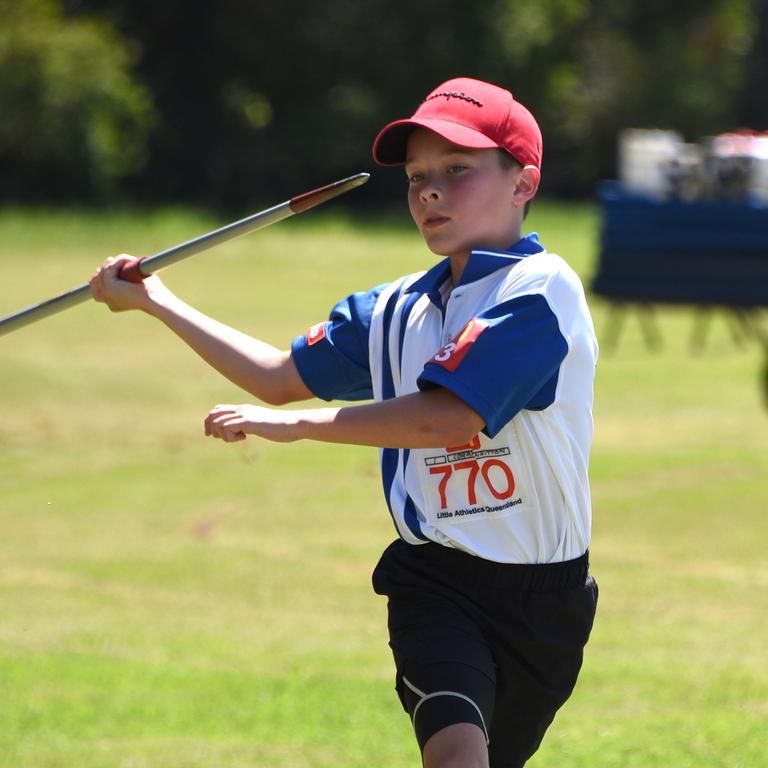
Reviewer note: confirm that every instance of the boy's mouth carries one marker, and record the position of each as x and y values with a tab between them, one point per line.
434	220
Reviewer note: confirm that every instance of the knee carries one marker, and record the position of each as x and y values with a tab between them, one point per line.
457	746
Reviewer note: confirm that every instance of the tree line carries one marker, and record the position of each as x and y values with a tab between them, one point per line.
232	102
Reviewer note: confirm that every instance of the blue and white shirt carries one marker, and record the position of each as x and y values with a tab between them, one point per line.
515	341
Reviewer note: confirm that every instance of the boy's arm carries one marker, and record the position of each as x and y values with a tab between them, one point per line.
259	368
432	419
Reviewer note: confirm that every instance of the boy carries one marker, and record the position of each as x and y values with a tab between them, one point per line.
482	372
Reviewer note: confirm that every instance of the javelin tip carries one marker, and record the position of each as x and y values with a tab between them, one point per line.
309	200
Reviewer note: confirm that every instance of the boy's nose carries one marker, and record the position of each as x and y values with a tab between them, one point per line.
430	192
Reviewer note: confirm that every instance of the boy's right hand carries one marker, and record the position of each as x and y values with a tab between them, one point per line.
121	295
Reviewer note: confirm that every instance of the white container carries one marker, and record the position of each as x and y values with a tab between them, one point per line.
644	160
749	152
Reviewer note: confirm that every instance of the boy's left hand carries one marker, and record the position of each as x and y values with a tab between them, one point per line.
231	423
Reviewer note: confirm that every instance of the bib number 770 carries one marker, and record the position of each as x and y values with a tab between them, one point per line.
496	475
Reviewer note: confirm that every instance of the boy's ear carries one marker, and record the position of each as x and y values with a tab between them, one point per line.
527	184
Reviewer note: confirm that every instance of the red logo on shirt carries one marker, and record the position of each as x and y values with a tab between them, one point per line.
454	351
315	333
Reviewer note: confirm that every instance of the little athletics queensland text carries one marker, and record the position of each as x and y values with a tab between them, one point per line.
479	510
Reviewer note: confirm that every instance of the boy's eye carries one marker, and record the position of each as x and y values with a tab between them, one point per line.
457	168
414	178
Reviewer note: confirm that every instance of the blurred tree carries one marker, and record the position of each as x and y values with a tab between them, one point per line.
256	100
260	99
73	118
753	99
603	65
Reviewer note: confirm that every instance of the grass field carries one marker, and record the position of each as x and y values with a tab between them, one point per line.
167	601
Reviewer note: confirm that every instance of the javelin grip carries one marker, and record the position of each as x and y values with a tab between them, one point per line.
131	271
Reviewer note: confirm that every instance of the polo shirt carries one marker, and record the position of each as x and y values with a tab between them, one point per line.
515	341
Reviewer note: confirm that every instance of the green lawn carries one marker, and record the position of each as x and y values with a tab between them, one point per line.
167	601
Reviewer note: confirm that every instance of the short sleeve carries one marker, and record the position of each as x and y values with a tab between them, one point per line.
505	359
332	356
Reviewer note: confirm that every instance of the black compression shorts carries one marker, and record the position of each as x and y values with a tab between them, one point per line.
487	643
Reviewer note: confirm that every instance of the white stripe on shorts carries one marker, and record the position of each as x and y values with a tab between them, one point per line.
426	696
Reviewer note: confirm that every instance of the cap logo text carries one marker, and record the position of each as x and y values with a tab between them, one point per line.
448	95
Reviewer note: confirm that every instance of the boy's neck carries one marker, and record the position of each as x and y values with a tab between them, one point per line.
459	260
458	264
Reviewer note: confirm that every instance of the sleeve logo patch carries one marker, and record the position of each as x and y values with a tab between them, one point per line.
450	355
315	333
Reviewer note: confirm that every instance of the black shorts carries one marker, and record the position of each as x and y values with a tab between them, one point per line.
487	643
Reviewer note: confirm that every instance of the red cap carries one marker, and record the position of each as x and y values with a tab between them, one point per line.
469	113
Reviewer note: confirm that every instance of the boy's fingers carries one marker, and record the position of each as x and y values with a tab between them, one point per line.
106	274
226	431
109	269
229	428
218	410
113	260
112	265
216	419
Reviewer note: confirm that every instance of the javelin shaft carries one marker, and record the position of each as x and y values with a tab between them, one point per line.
140	268
165	258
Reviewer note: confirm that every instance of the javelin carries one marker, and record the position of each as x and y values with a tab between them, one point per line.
137	269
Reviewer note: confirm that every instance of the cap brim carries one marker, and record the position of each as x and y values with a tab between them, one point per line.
390	145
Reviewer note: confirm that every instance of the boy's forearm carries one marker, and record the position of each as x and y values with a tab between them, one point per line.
257	367
253	365
432	419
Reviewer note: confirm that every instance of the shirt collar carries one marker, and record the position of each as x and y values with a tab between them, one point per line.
481	263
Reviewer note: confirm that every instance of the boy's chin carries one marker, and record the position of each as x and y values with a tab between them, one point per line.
444	250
